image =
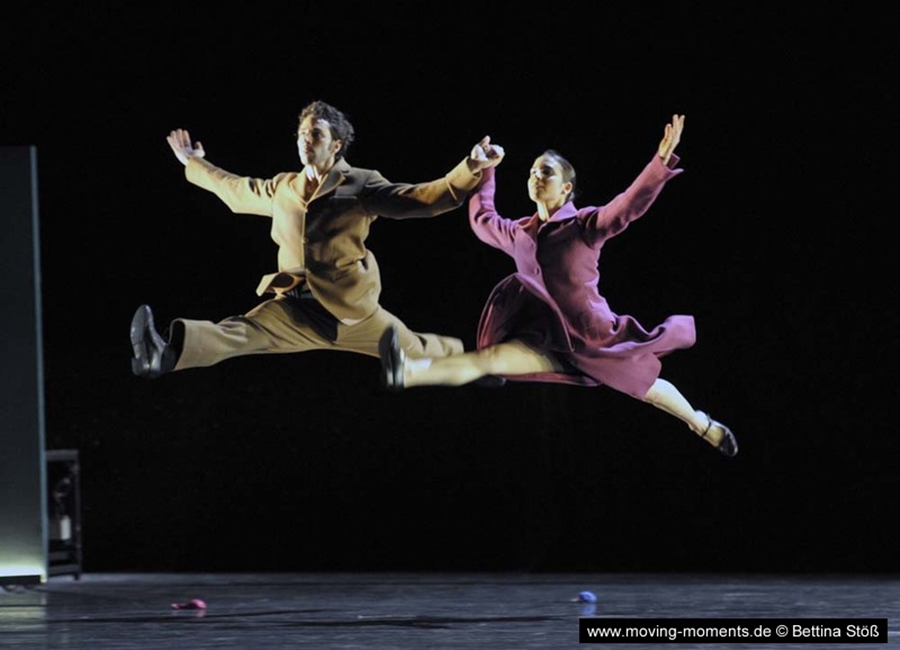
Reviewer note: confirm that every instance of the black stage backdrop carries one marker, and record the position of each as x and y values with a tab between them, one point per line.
775	238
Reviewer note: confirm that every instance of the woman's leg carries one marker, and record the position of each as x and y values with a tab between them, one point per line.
508	358
664	396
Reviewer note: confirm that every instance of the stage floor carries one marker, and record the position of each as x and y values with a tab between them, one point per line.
415	611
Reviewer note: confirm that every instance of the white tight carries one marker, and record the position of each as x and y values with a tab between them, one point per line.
518	358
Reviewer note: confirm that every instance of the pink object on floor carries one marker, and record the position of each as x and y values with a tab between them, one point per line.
194	603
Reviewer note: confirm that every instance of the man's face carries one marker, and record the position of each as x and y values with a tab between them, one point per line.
315	144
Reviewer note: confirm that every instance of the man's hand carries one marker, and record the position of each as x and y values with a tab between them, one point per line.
671	138
180	141
484	155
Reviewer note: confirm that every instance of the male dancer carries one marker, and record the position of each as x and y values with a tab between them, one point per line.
325	292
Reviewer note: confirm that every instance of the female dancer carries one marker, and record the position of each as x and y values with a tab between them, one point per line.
548	322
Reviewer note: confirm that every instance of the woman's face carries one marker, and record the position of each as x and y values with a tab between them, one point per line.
545	183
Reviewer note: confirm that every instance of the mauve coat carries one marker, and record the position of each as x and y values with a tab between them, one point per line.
552	301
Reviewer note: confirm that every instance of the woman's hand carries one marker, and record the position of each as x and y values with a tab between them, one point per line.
671	138
485	154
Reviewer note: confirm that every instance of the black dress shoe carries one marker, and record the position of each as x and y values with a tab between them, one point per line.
152	355
393	360
728	445
490	381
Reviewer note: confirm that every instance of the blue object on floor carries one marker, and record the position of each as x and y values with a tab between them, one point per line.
586	597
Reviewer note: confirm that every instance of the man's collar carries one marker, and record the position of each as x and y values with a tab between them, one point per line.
311	173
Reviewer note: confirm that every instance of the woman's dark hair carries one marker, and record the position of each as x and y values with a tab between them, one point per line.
341	129
568	172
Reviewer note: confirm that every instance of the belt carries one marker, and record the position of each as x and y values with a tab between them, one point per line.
280	283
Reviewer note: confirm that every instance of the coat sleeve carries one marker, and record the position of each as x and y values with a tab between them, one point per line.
241	194
611	219
381	197
487	225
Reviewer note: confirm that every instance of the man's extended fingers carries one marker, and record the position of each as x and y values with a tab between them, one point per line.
180	137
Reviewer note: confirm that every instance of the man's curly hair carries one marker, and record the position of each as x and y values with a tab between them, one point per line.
341	128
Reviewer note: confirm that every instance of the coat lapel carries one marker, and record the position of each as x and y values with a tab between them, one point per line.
334	178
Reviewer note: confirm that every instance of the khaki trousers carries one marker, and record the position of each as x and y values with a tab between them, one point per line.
284	325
